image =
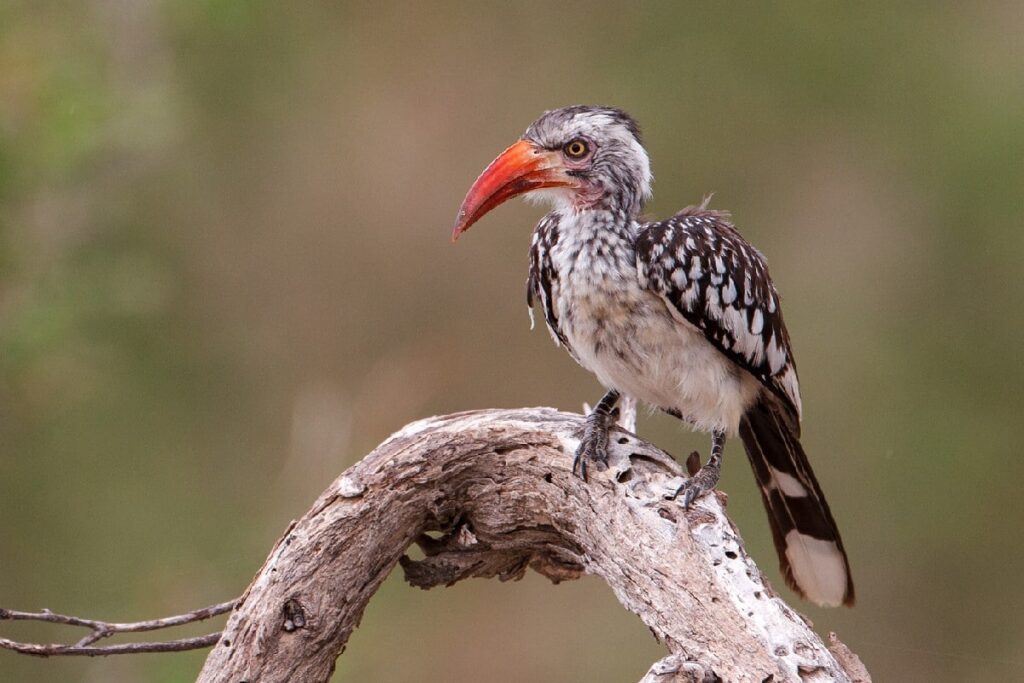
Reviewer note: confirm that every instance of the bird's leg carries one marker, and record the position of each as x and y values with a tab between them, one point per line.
707	476
594	442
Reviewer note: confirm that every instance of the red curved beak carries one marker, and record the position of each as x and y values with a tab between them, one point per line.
519	169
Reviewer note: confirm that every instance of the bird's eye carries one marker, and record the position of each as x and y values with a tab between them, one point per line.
576	149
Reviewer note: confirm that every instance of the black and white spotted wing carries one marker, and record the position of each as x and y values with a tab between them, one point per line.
704	269
543	278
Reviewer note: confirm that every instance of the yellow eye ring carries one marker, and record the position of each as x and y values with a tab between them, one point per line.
576	149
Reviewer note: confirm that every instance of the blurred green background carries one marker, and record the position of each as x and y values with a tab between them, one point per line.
225	275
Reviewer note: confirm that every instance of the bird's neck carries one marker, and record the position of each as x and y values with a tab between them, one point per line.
626	201
595	225
586	246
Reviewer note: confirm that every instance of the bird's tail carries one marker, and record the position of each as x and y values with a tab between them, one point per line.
811	554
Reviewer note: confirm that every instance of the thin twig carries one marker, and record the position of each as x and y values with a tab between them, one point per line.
54	649
105	629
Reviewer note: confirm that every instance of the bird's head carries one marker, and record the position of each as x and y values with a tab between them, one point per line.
577	158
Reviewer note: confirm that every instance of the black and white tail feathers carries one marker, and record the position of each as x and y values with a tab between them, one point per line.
811	554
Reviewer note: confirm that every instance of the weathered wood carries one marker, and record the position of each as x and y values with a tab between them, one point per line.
490	494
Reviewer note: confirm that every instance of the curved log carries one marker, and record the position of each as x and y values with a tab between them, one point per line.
490	494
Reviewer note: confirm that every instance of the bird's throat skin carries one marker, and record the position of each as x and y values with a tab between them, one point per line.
624	334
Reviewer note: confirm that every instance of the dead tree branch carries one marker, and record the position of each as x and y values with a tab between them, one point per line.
495	489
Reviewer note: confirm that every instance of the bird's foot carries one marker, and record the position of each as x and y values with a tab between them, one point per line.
704	480
594	442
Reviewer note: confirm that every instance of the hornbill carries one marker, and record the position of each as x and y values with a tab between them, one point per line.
680	314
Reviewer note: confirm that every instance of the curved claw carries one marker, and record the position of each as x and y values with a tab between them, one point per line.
706	479
593	449
579	464
690	494
593	443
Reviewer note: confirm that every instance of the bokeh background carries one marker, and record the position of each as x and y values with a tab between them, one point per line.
225	275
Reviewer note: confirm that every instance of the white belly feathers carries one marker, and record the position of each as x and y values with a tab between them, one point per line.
628	338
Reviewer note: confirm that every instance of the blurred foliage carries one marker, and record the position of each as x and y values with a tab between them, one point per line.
225	275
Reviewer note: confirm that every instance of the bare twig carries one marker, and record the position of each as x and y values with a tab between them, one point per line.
105	629
55	649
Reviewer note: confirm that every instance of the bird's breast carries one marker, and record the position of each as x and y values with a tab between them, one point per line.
627	337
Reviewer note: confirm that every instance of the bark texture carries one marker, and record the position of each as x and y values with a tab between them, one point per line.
494	490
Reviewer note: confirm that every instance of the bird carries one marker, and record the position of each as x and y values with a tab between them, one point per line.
680	314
